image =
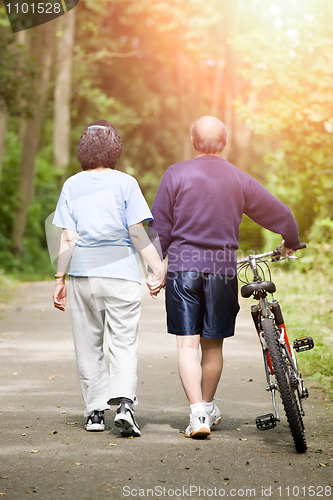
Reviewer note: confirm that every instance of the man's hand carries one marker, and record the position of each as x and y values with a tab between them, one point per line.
285	250
60	295
155	284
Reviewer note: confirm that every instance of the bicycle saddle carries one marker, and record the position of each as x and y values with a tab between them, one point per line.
247	290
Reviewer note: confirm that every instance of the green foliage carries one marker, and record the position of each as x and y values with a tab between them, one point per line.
7	288
319	254
155	75
289	102
152	67
305	296
251	236
8	189
16	71
35	263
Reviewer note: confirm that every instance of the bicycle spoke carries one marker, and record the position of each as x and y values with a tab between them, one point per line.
287	393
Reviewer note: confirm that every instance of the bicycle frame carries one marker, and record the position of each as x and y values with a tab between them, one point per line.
270	310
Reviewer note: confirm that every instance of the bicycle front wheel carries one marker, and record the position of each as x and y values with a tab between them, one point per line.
284	383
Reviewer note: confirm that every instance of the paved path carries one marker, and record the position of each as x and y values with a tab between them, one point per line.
45	453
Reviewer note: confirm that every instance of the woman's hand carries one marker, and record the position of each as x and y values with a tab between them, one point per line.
60	295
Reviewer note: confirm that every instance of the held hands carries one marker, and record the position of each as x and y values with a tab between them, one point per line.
60	295
155	283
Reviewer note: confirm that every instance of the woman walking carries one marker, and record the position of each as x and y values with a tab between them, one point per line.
101	211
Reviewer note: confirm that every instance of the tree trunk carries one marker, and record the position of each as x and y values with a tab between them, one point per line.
232	84
183	115
217	91
3	133
42	46
62	92
4	112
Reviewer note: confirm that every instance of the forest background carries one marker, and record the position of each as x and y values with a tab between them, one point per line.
151	68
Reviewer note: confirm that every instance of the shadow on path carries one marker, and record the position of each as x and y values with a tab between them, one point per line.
46	453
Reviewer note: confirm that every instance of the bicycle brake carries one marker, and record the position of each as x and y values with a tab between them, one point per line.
276	255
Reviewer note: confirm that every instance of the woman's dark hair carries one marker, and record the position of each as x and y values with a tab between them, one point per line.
99	146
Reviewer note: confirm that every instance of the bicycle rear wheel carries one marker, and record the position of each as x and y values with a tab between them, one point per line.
285	385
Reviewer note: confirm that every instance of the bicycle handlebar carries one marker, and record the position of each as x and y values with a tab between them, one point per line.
273	253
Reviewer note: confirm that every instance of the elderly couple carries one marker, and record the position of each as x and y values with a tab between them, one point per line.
195	219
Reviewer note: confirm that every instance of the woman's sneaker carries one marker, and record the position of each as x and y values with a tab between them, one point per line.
198	427
125	419
213	417
96	421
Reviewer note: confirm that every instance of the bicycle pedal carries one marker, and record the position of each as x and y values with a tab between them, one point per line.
266	422
303	344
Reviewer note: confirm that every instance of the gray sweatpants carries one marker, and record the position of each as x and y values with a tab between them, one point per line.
110	307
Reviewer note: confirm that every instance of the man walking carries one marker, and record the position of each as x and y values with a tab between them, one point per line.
197	212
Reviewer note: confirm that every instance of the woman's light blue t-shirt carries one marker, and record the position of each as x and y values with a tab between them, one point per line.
101	206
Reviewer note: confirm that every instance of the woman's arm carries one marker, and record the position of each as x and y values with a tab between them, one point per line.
66	248
156	279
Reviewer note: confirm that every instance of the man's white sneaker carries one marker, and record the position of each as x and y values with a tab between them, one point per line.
213	417
198	427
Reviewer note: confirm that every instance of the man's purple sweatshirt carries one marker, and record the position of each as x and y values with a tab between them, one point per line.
198	209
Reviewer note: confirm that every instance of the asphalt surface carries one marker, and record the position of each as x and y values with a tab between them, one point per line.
45	452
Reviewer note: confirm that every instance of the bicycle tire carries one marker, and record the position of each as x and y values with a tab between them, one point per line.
286	391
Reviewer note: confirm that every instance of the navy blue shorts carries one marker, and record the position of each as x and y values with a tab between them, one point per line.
201	303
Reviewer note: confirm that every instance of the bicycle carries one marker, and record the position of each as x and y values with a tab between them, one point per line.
279	355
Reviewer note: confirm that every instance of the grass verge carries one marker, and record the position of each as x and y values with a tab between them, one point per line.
8	286
307	307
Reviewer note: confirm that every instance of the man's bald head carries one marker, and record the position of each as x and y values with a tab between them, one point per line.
209	135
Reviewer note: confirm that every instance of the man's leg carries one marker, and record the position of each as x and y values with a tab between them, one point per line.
211	366
185	319
211	363
189	366
191	376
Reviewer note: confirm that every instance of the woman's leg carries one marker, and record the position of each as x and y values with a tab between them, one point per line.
189	366
211	366
123	307
88	333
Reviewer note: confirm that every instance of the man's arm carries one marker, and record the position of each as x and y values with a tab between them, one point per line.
262	207
162	211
